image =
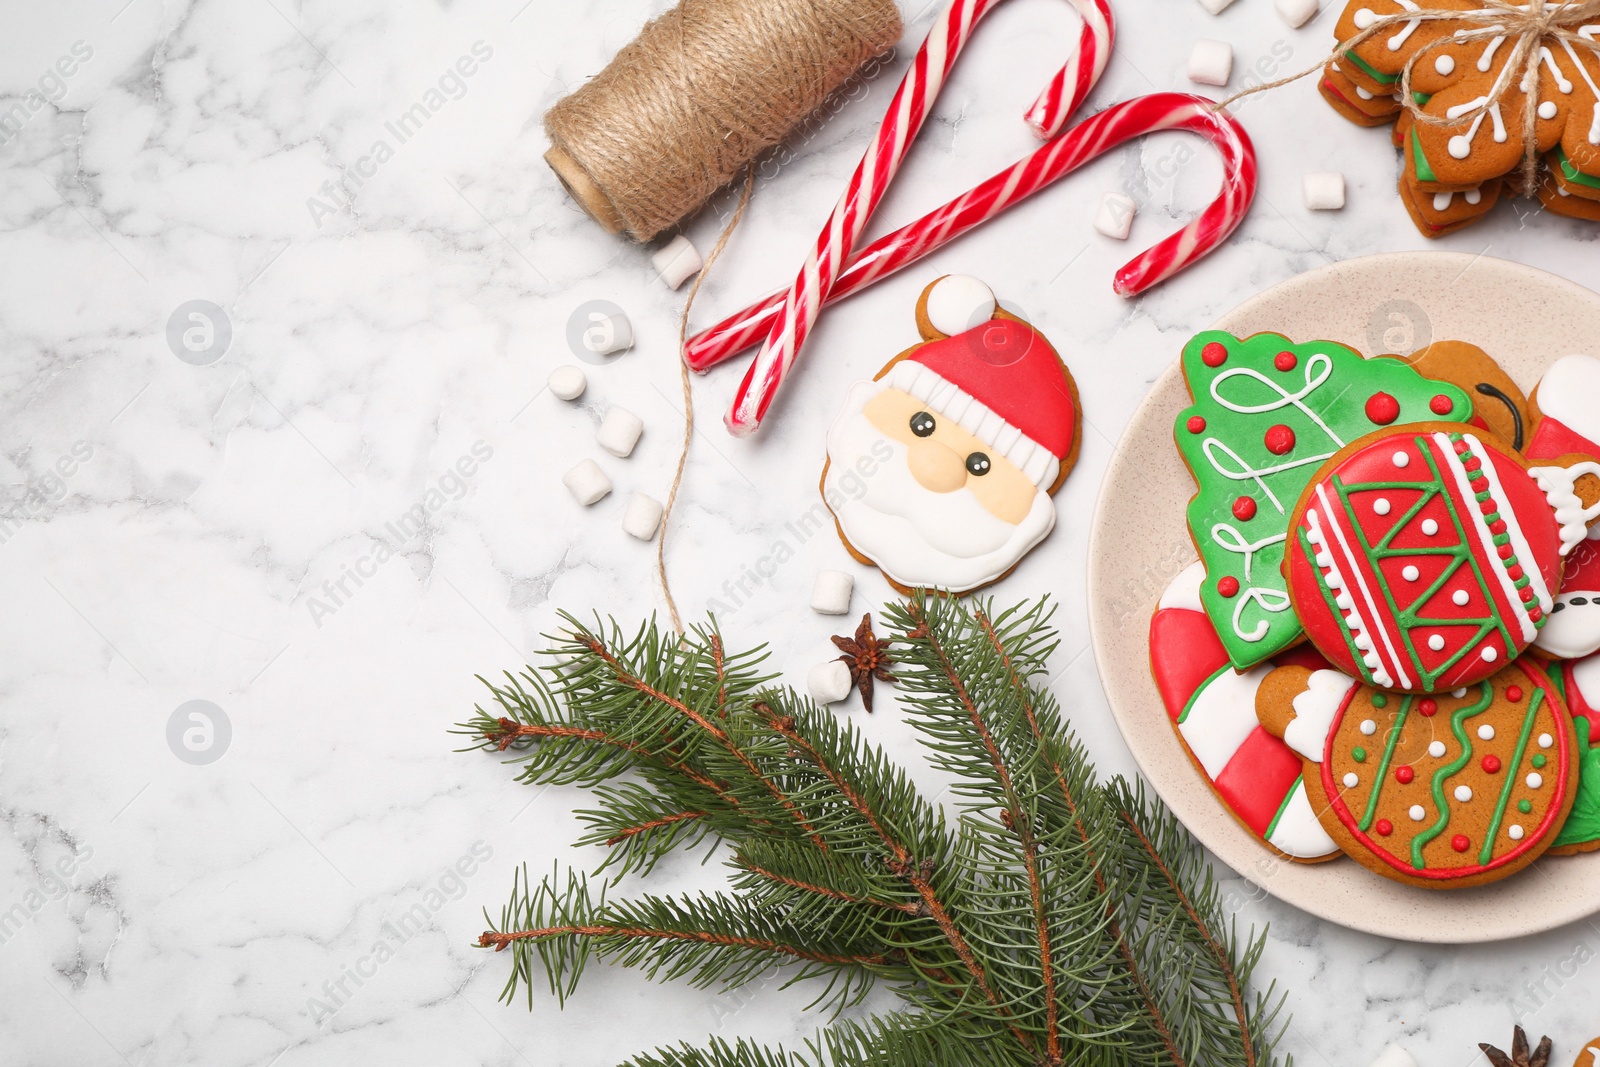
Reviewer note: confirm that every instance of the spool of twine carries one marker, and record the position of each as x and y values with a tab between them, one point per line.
700	93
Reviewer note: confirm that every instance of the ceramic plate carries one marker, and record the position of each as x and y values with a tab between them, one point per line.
1526	319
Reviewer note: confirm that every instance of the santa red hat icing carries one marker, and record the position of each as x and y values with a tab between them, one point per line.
1000	380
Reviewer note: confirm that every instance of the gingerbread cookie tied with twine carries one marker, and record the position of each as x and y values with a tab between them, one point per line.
1446	211
1566	199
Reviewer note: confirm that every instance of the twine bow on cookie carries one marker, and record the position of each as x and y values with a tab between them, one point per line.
1533	30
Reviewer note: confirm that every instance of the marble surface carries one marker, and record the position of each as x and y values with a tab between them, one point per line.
327	527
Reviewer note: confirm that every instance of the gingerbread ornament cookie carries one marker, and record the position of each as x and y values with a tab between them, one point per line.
1498	403
1444	791
940	470
1424	558
1266	413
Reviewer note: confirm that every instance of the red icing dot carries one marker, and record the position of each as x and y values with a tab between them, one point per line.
1197	423
1461	842
1214	354
1498	527
1461	446
1535	613
1442	405
1384	827
1527	593
1427	706
1486	506
1505	550
1513	693
1228	586
1491	765
1515	572
1279	439
1383	408
1244	509
1472	465
1403	775
1285	361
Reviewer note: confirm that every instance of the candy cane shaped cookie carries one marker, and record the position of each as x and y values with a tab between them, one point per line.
1255	775
1051	161
834	245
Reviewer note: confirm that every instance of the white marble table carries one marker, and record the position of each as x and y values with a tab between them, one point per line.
245	532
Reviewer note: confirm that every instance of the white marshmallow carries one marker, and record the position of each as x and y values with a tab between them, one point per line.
1211	62
1216	7
642	517
1296	12
605	334
957	303
1394	1056
830	592
1323	190
829	682
568	382
677	261
587	482
619	432
1115	217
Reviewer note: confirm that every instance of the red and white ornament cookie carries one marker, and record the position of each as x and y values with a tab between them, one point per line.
1213	711
1423	559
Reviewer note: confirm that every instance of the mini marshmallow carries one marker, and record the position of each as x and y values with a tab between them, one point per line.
606	334
1211	62
1296	12
829	682
677	261
1323	190
619	432
1115	217
830	592
1216	7
587	482
642	517
1394	1056
568	382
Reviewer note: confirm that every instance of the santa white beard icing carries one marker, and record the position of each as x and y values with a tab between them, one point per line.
940	471
1567	403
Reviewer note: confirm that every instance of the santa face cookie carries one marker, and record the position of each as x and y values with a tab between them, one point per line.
1213	710
1423	559
1266	414
1444	791
940	470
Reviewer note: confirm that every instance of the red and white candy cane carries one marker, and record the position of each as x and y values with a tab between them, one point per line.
1071	86
907	111
1051	161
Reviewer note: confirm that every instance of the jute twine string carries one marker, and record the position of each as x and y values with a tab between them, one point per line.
688	395
1529	25
702	90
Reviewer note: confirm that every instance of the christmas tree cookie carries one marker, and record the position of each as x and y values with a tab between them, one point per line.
1266	415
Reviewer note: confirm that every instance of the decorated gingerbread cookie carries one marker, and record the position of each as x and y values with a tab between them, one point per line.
1266	414
1445	791
1579	681
940	470
1213	710
1438	213
1424	558
1498	404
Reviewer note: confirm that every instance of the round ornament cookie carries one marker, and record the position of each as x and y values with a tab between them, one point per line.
1445	791
940	470
1424	558
1498	403
1213	711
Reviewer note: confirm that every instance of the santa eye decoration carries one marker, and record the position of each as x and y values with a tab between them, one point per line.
958	511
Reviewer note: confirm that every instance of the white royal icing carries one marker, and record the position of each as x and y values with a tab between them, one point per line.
1362	616
974	416
1297	832
1184	592
1567	394
1559	484
1314	712
958	303
1221	716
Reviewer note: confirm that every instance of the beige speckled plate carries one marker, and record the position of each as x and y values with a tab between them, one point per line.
1526	318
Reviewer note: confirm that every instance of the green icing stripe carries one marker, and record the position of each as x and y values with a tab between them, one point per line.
1196	694
1457	727
1272	827
1421	98
1572	173
1424	168
1583	825
1511	776
1370	71
1388	757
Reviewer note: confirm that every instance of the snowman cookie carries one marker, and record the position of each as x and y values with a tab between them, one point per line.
940	470
1444	791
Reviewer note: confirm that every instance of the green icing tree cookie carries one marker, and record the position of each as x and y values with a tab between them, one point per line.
1266	415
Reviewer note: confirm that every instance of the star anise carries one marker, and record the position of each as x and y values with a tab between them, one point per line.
867	658
1519	1052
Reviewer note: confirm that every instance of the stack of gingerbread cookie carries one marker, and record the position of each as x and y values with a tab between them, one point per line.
1454	172
1390	647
